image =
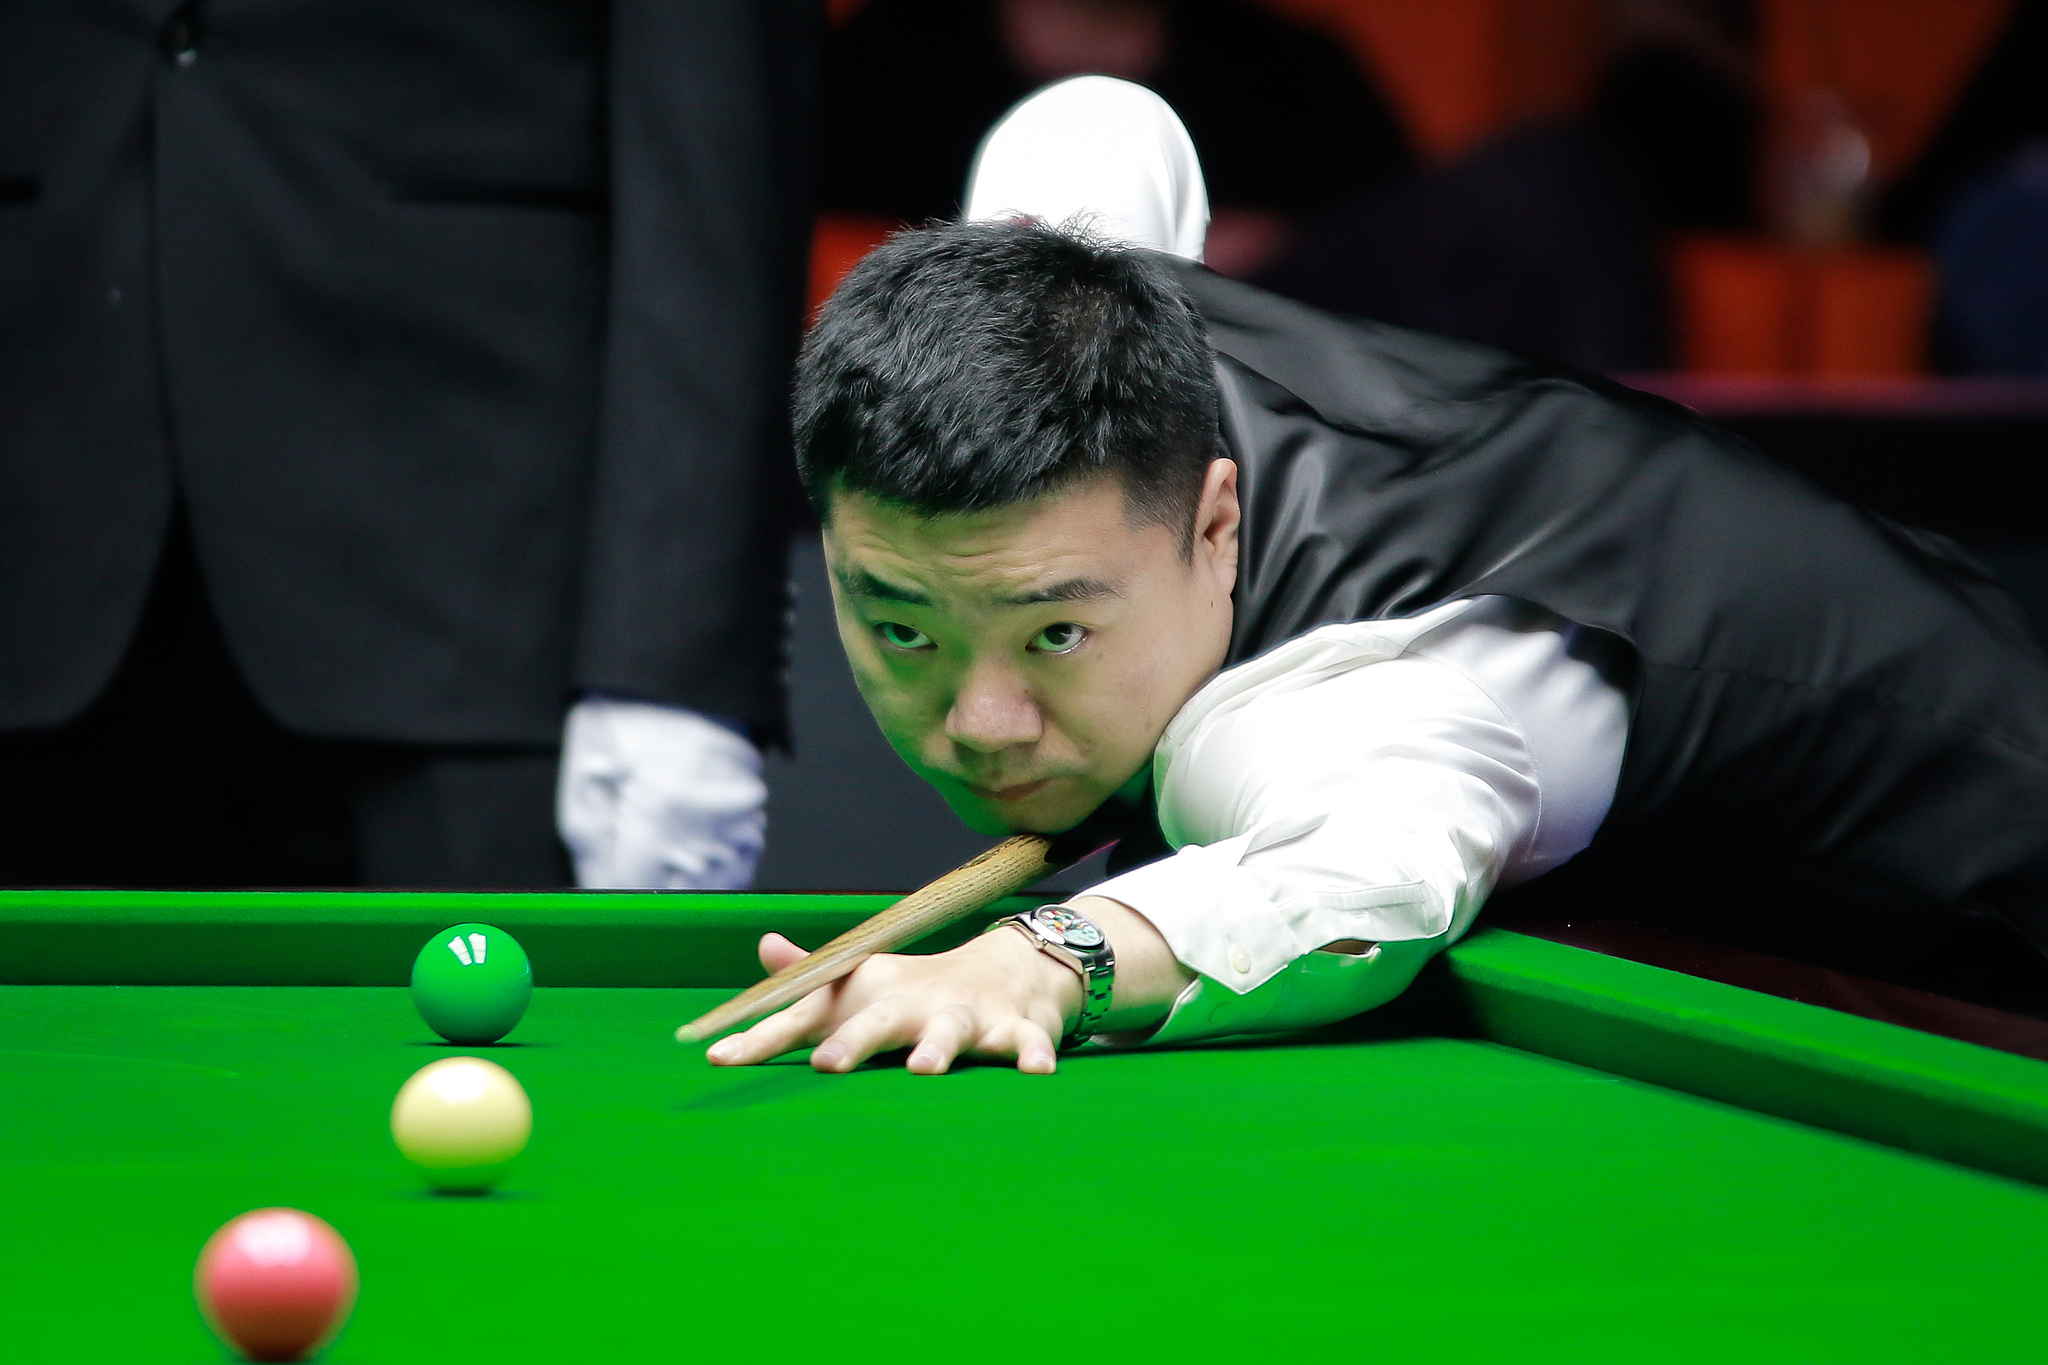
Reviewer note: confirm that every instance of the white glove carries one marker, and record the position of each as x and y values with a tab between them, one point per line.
659	798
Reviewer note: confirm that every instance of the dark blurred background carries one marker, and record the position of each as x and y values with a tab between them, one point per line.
389	382
1824	223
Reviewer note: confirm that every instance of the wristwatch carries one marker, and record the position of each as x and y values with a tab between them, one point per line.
1068	936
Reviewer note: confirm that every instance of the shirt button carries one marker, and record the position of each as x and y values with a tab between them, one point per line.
1240	960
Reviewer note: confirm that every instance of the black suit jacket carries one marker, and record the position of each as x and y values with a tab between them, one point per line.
461	329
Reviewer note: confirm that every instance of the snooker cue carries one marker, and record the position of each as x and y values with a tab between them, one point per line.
1010	866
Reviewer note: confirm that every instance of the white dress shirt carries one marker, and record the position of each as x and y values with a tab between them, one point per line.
1369	781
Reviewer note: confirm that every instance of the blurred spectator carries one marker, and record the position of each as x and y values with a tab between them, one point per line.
1679	97
387	385
1979	196
1544	239
1284	121
1993	253
2004	106
1536	242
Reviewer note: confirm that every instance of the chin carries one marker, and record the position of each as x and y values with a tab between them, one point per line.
1043	814
977	816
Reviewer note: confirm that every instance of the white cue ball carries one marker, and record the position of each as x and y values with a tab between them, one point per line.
461	1120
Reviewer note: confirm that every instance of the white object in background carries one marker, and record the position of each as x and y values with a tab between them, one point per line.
658	798
1100	152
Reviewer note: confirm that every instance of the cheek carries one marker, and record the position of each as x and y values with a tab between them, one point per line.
1105	705
864	656
886	691
908	704
1134	690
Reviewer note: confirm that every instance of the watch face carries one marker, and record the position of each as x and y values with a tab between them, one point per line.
1071	929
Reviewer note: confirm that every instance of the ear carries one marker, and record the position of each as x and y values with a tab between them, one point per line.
1217	518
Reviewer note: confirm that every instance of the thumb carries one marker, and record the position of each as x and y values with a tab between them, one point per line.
778	952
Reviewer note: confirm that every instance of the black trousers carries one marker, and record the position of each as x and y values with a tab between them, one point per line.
175	777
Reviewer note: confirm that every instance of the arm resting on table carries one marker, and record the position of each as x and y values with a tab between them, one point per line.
1377	805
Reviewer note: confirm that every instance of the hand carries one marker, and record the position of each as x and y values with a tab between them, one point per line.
659	798
993	996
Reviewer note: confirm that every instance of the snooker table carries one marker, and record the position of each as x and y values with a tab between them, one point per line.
1539	1153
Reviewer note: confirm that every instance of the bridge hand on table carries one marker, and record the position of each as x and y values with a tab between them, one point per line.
993	996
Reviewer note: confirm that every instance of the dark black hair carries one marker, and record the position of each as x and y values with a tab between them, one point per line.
967	366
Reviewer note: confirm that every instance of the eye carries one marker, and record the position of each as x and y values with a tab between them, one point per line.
1061	637
899	636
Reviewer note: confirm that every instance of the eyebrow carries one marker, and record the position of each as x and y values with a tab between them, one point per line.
1067	590
861	583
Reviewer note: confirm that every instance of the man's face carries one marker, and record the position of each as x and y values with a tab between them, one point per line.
1025	660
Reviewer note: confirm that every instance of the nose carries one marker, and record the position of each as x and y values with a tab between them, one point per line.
993	711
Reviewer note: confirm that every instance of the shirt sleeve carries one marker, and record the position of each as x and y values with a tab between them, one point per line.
1377	795
710	108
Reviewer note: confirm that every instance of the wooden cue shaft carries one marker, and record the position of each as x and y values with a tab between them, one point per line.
1009	867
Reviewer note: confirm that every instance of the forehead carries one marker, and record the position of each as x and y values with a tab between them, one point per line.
1077	532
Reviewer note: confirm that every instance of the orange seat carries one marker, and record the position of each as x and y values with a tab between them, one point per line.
1748	305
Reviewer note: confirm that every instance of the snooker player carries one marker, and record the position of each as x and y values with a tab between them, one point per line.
1367	623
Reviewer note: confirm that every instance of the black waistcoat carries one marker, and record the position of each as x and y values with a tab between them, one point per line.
1826	705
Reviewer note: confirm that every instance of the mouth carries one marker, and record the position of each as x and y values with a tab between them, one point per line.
1006	795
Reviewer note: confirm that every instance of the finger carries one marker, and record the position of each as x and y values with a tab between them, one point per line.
810	1018
1037	1054
778	952
878	1027
794	1027
943	1037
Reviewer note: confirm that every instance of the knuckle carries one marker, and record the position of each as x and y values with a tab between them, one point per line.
878	1020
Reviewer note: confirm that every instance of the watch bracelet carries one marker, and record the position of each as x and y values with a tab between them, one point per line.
1097	987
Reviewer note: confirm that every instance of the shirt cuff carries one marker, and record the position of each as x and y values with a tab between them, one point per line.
1223	921
1315	989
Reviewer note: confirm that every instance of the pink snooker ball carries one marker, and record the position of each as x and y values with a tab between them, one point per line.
276	1284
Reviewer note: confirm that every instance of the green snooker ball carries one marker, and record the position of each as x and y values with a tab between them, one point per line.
472	983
